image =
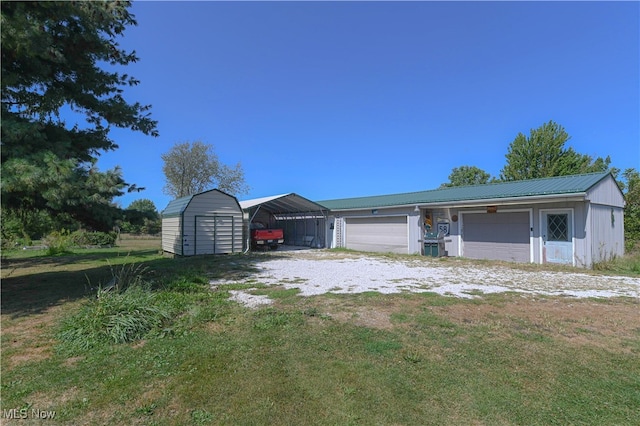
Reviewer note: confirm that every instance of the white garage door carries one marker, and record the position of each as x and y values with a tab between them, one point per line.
497	236
381	234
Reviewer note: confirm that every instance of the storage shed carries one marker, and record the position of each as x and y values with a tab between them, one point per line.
206	223
575	220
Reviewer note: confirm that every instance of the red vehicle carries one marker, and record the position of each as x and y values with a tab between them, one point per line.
261	236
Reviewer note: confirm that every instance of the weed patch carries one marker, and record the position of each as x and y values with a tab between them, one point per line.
114	317
628	264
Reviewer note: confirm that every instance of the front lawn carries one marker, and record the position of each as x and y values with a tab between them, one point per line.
332	359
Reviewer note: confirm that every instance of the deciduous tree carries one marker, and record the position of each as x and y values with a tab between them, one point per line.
141	217
631	188
543	154
192	167
466	175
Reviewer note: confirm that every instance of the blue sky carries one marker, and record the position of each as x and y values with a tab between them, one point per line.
332	100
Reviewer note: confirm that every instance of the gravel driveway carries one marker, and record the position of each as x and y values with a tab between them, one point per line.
319	271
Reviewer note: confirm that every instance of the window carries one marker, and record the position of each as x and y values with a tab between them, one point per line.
558	227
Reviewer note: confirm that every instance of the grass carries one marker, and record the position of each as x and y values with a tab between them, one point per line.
335	359
626	265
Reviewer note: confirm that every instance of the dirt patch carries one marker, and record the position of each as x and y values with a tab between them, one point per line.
215	327
70	362
365	317
44	401
139	344
29	337
31	354
579	322
372	313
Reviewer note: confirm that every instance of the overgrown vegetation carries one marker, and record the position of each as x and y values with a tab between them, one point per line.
131	306
61	242
114	317
627	265
162	348
21	228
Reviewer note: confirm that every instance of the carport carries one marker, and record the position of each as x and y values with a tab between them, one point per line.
303	221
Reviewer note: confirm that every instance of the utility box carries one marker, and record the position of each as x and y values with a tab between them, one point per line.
431	246
431	249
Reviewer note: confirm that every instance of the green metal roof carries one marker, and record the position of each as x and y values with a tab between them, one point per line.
177	206
561	185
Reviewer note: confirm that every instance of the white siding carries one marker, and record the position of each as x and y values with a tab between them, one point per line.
338	233
215	234
607	232
171	240
607	193
595	235
582	246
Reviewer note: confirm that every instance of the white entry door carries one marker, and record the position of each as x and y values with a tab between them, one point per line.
557	236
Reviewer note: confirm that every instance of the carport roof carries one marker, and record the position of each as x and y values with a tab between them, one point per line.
561	185
283	204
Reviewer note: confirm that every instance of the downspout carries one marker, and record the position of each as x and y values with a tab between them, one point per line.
249	230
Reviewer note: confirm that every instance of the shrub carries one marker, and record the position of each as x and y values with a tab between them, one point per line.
11	240
87	238
22	226
151	227
58	242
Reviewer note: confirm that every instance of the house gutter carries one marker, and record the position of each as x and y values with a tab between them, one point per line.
580	196
513	201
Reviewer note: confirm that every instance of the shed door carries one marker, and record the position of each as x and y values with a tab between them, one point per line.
380	234
214	235
497	236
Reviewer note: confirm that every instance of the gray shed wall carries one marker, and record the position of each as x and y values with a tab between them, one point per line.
607	193
607	233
